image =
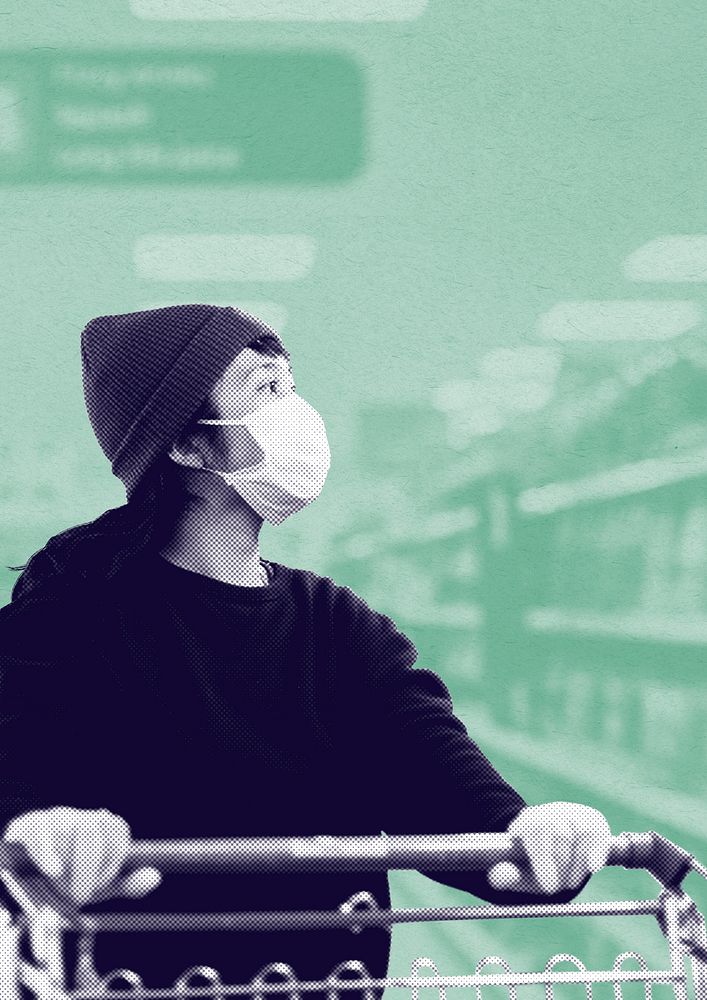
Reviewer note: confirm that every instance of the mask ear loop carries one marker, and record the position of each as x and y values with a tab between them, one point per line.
203	420
221	422
225	422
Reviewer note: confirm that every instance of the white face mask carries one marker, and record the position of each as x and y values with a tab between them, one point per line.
296	457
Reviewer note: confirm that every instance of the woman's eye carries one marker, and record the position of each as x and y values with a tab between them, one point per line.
291	387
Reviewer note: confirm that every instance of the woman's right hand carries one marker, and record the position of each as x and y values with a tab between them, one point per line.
81	852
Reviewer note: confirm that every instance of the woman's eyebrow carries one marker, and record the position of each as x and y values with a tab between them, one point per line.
264	364
260	365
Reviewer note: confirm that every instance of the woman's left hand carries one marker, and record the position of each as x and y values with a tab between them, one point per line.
565	843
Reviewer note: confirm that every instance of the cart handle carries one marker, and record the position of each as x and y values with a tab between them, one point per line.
431	852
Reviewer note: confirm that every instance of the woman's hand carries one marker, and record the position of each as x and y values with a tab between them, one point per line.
81	852
565	843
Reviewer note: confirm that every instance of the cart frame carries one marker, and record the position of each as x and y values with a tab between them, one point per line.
43	926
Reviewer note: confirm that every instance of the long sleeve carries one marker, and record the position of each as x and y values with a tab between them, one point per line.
436	778
447	780
35	681
438	774
30	646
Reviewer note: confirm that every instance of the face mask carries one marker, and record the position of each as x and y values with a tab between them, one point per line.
296	457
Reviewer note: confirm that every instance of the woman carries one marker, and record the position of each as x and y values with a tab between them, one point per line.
159	678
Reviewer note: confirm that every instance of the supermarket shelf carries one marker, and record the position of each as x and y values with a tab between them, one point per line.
624	480
690	629
609	772
436	526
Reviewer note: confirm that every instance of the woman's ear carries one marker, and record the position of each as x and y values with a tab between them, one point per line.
185	455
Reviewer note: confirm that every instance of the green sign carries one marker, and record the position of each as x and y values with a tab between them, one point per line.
179	117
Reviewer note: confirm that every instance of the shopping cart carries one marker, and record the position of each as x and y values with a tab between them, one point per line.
37	930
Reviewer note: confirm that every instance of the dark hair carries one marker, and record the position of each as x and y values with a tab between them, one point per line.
102	545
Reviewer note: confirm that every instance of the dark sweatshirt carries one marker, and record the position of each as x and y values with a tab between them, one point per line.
197	708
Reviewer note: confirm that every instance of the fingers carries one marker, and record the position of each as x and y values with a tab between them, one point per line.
30	831
140	882
101	844
137	884
540	847
550	870
593	839
505	876
571	857
81	850
564	843
598	851
37	893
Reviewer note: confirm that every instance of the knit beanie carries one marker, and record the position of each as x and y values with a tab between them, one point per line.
145	374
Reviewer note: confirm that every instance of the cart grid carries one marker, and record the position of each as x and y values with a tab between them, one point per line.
43	927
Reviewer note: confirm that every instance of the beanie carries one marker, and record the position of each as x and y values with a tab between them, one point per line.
145	374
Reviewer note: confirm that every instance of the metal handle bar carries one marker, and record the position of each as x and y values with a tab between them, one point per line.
432	852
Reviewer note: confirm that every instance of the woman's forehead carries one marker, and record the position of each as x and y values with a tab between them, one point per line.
244	367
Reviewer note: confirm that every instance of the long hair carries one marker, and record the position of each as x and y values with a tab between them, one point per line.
98	548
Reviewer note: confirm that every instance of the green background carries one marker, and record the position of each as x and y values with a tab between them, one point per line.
501	290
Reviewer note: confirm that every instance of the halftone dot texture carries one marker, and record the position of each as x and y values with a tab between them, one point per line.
145	374
680	920
411	766
294	457
295	703
289	709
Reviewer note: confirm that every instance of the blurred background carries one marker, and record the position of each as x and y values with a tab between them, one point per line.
480	229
